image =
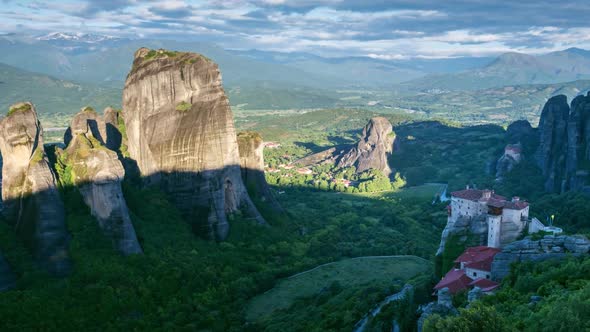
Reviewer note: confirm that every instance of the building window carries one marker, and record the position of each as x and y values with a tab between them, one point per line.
487	276
474	274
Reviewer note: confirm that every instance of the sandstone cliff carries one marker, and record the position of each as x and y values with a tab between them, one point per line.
371	152
549	247
29	193
564	140
180	131
251	149
97	172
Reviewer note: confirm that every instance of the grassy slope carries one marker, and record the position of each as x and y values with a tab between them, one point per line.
56	100
349	273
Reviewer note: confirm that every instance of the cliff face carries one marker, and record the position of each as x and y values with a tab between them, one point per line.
552	141
251	149
550	247
97	172
29	193
373	149
180	131
564	141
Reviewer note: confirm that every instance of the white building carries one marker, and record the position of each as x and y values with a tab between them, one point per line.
505	219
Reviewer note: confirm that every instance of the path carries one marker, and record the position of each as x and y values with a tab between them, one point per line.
360	326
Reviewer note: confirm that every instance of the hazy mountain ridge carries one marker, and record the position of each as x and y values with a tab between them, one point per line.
512	69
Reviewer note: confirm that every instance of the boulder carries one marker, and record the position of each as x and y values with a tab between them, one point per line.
32	203
180	130
97	172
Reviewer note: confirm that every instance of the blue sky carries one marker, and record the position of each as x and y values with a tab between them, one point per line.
375	28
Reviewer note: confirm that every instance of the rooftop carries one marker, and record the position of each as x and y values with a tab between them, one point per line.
455	280
486	285
479	258
491	198
475	194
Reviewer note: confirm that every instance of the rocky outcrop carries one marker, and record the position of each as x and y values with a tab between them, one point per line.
113	137
549	247
7	277
553	141
564	145
373	149
97	173
577	167
371	152
521	132
443	307
471	231
32	203
180	130
252	163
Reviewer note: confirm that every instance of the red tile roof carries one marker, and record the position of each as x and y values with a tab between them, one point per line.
479	258
486	285
455	280
474	194
494	200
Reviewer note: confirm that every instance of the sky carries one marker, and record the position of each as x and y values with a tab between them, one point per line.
335	28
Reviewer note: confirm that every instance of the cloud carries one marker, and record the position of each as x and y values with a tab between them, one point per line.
383	29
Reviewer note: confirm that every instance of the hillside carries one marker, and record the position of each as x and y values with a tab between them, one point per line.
513	69
56	99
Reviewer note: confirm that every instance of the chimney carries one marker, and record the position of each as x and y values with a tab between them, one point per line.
467	187
487	194
515	199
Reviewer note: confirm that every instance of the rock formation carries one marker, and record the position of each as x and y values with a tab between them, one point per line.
443	307
373	149
180	131
549	247
469	230
7	277
252	163
113	137
553	141
521	132
29	193
564	148
97	172
371	152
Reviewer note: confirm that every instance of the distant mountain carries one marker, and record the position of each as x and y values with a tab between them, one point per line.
366	71
76	37
104	60
54	98
513	69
